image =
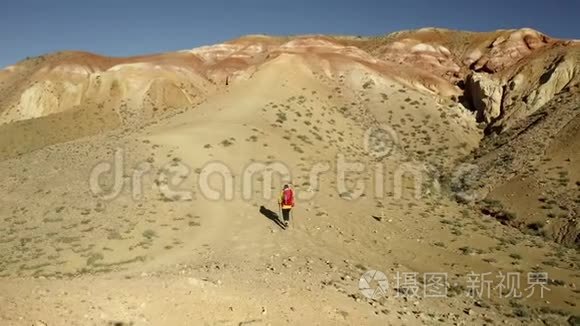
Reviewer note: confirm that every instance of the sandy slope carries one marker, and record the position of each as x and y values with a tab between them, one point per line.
70	257
161	252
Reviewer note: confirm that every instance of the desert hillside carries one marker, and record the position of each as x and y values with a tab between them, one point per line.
142	190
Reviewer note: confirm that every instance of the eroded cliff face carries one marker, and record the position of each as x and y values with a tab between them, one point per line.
503	75
485	94
502	99
55	85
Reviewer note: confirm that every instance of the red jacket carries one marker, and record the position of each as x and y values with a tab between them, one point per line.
287	198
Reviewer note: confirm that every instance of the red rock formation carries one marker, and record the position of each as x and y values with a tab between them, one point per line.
433	60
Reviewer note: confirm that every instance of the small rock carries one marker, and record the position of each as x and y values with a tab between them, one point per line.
481	304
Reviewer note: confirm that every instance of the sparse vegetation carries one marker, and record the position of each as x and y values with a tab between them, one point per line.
149	234
227	142
515	256
53	226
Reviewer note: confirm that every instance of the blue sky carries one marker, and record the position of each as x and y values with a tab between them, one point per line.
122	28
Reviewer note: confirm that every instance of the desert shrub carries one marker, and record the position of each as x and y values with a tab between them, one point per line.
281	117
368	84
515	256
149	234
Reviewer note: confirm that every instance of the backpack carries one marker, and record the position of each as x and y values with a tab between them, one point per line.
288	197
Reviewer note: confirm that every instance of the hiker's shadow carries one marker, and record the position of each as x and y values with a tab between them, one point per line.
272	216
